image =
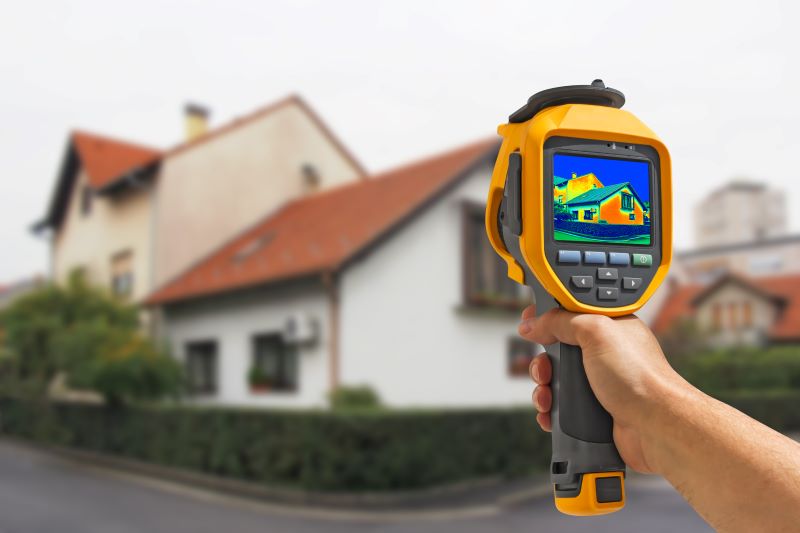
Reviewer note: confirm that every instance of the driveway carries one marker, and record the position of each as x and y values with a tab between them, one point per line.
41	493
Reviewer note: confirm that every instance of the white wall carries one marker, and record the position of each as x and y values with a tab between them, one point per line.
233	320
404	330
210	191
114	225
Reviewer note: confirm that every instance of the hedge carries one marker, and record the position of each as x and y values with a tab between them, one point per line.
326	451
743	369
312	450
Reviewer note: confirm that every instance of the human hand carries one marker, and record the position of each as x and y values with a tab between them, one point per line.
624	364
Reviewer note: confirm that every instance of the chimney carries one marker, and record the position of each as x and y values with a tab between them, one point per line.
196	120
574	175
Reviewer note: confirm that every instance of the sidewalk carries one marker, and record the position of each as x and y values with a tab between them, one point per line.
467	499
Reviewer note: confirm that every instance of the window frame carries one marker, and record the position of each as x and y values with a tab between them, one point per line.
513	344
470	211
127	276
627	199
281	384
213	386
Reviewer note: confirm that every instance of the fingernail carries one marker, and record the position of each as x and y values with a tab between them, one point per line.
524	327
536	374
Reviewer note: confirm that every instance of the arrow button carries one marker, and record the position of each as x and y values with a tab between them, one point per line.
607	293
582	282
631	284
607	274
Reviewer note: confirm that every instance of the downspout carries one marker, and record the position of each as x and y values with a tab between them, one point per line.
331	282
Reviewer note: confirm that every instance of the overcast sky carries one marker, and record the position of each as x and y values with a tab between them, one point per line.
395	81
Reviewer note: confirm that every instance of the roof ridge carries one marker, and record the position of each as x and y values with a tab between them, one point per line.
392	171
113	139
343	228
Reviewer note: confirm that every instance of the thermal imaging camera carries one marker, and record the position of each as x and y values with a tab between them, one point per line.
580	209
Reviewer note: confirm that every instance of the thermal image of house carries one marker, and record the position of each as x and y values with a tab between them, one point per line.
588	200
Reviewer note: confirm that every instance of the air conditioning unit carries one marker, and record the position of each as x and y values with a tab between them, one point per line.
301	329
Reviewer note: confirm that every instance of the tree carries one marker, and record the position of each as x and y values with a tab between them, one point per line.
89	335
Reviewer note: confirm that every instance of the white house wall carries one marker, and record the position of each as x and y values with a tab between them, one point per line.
404	329
233	320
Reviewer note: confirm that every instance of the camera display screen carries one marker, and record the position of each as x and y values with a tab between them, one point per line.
600	199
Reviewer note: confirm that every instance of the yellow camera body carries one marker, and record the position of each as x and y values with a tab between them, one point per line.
580	209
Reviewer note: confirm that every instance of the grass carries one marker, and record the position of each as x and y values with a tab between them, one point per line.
565	236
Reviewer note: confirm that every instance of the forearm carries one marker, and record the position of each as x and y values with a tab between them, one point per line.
737	473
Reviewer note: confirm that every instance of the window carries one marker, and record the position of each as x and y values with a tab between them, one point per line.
122	274
716	316
275	364
588	214
747	314
86	200
627	201
201	367
520	355
485	275
733	318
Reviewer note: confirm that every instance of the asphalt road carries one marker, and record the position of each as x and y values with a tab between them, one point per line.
40	493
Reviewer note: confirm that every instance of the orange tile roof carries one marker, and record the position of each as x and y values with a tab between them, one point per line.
785	289
677	306
320	233
106	159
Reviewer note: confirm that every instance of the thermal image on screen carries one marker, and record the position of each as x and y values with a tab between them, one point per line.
601	200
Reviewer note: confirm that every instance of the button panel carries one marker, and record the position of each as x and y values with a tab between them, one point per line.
605	279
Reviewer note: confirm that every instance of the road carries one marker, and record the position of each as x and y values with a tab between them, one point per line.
41	493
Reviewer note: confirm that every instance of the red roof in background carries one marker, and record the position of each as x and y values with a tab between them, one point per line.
322	232
677	306
783	288
106	159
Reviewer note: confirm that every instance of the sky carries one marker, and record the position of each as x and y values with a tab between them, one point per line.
608	171
717	81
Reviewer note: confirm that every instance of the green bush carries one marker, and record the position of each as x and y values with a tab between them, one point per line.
315	450
743	369
354	397
87	334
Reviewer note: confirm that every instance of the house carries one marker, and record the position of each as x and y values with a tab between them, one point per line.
566	189
131	217
615	204
389	282
736	310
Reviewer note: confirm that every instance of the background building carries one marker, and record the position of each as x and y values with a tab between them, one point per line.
739	212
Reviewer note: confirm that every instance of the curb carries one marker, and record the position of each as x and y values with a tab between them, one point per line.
468	499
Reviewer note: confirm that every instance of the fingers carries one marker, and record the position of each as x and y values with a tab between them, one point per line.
541	370
558	325
542	399
544	421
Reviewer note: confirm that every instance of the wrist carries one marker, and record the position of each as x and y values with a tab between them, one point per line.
669	398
